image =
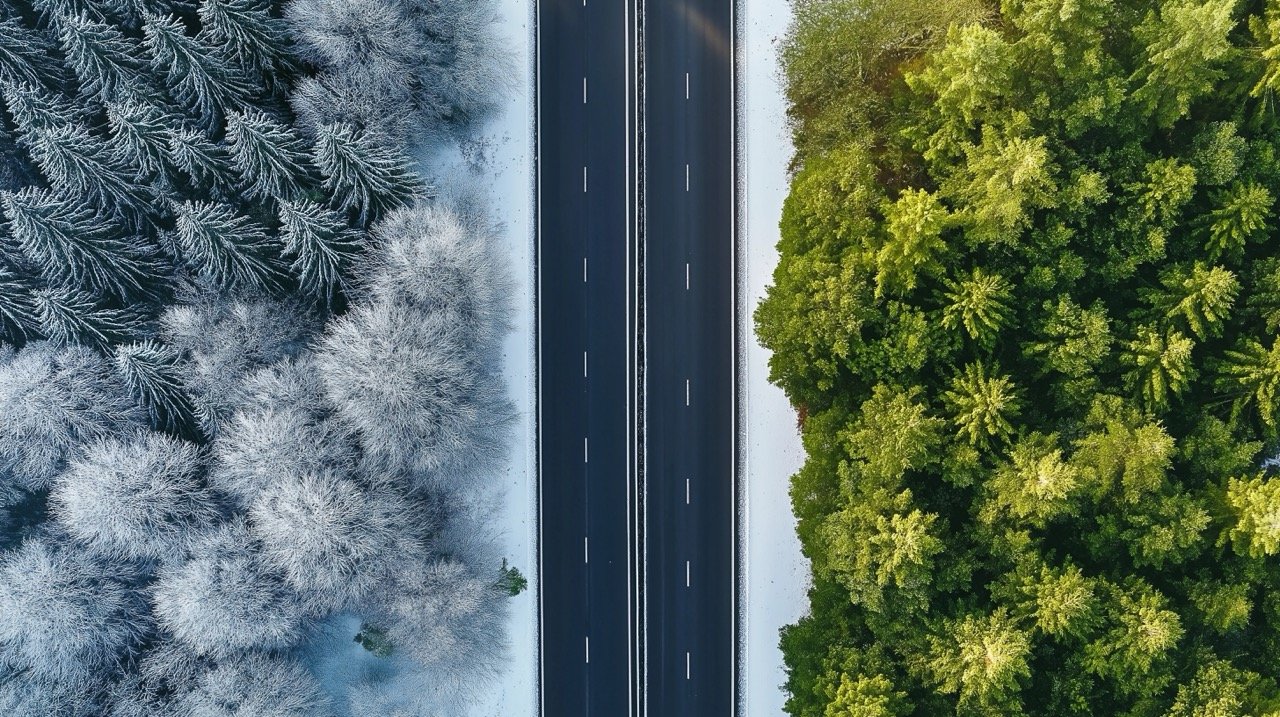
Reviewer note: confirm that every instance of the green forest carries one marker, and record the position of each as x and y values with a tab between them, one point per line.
1027	310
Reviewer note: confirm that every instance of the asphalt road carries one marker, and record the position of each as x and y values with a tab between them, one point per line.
586	303
608	647
689	257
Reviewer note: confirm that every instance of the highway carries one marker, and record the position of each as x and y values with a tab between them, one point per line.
586	343
636	315
689	253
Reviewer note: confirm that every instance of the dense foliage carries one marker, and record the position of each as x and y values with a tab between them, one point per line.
1027	307
247	387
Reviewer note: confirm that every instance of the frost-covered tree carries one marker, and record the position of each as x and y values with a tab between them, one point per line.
223	341
17	312
73	245
205	162
51	402
228	248
25	693
445	617
66	617
334	540
25	55
152	371
79	163
224	601
141	132
258	448
255	686
246	32
68	317
206	83
321	244
269	155
361	95
32	108
107	63
135	498
362	173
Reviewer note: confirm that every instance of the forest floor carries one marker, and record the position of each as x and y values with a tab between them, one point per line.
776	574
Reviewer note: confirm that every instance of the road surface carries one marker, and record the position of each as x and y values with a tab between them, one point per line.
689	254
586	301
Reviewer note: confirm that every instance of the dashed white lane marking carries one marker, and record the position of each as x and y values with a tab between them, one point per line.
584	269
588	642
686	85
686	491
584	449
686	573
584	179
686	392
584	90
686	276
586	552
686	665
686	177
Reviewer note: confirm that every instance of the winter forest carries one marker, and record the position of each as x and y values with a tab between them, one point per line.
248	400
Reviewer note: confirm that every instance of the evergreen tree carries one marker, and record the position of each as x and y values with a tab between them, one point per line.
321	244
914	225
363	174
108	64
1198	298
268	155
246	32
33	109
197	76
1255	507
984	405
70	317
25	56
72	245
1241	216
204	161
979	303
17	312
1160	366
982	659
142	137
78	163
1251	373
228	248
1185	42
152	372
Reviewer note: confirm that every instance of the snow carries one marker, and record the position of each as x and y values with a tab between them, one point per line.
776	575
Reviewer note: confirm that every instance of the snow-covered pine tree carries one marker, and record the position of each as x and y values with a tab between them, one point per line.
17	313
141	132
363	173
107	63
226	247
65	616
224	601
206	83
72	245
269	155
53	401
78	163
25	56
205	162
70	317
246	32
138	498
53	12
321	244
34	108
132	13
152	371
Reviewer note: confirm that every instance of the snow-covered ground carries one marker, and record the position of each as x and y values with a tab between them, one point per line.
776	574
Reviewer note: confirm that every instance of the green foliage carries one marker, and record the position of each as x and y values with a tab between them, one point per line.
510	581
1027	306
375	640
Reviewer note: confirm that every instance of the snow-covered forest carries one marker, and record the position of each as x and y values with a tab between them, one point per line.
248	396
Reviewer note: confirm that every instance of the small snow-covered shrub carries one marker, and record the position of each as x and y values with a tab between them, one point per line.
224	601
51	401
66	617
137	498
334	540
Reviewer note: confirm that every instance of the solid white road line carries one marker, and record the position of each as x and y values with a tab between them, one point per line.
584	449
584	90
584	179
686	573
686	392
586	552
